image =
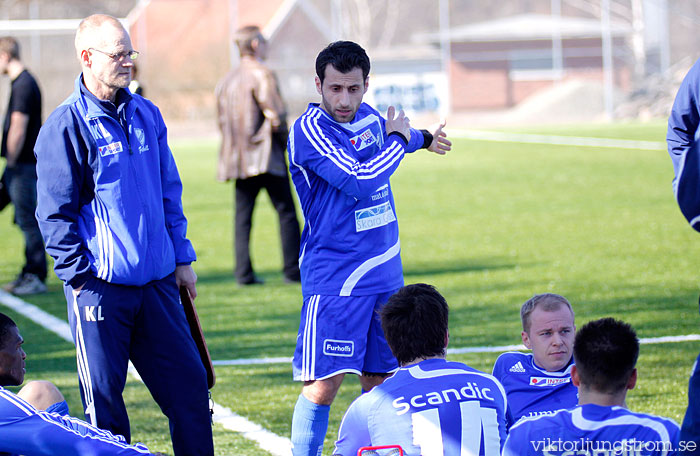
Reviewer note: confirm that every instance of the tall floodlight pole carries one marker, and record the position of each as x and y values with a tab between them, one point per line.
232	27
606	36
142	28
557	53
336	19
445	54
35	39
665	42
638	45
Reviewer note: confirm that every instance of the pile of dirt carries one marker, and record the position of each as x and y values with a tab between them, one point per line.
576	100
653	96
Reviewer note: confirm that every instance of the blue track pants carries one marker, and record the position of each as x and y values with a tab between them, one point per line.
112	324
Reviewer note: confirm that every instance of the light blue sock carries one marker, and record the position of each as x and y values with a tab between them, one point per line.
309	426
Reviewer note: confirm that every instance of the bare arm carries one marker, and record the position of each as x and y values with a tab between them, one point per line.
16	136
440	144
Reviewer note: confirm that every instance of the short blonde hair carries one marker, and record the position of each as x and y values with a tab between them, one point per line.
549	302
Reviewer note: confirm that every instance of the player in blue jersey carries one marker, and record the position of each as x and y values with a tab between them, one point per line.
540	382
342	153
430	406
35	421
606	352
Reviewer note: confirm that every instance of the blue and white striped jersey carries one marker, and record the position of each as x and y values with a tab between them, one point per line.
433	408
532	390
25	430
350	243
593	430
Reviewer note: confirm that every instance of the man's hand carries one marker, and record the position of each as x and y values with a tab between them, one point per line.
440	144
399	124
185	277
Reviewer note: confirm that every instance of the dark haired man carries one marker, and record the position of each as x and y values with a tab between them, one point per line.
35	421
430	406
253	124
605	352
19	133
539	383
342	153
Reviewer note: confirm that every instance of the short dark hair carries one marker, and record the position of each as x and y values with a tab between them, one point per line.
605	353
345	56
549	302
10	45
414	321
6	324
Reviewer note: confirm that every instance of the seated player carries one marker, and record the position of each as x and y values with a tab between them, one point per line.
27	424
540	382
606	353
429	406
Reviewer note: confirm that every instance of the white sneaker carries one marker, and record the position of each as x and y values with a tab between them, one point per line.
30	284
9	287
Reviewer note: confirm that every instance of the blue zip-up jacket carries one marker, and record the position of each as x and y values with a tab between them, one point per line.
109	194
350	243
682	139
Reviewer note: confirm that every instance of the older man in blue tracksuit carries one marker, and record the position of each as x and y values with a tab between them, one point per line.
684	148
110	211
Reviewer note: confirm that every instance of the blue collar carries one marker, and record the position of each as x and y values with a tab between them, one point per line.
122	99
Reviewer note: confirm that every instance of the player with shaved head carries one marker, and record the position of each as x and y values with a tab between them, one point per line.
110	211
35	421
540	382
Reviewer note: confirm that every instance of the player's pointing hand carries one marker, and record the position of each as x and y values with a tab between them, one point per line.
440	144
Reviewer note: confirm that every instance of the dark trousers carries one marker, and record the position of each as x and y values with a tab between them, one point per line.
112	324
21	185
281	196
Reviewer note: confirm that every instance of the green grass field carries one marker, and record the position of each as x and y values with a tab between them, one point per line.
490	224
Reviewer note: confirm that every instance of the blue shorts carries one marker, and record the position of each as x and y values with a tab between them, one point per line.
341	334
59	407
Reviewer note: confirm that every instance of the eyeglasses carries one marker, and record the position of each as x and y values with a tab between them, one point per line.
133	55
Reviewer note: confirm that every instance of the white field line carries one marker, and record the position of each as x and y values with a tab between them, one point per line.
483	135
276	445
457	351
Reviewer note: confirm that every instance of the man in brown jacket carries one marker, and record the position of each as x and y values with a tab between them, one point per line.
254	130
